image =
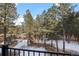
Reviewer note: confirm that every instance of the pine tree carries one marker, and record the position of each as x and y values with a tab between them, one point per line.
28	24
7	14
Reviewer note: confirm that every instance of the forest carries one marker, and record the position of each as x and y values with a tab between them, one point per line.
59	22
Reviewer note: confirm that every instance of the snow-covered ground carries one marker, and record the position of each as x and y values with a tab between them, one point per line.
22	44
70	46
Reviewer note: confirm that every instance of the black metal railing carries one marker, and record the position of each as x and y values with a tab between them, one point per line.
26	52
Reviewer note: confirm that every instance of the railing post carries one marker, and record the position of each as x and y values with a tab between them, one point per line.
4	50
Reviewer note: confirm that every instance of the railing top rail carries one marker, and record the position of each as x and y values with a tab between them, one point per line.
52	52
59	53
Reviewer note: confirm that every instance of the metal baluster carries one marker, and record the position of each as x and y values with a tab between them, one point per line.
44	54
50	54
23	53
28	53
14	52
57	54
7	51
19	52
33	53
10	52
39	53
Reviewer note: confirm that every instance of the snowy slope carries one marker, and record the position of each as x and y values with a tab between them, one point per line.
23	45
71	46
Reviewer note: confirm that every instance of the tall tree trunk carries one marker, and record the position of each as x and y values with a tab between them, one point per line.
29	39
5	39
66	36
51	43
69	38
64	41
57	45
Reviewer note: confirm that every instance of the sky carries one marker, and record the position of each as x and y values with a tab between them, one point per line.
35	9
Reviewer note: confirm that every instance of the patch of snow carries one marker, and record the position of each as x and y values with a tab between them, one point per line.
22	44
71	46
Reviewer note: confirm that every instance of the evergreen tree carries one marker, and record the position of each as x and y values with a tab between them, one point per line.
7	14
